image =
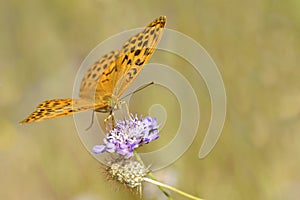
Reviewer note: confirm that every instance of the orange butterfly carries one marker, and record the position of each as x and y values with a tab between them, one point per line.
108	78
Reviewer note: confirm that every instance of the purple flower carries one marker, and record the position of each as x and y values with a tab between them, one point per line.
129	135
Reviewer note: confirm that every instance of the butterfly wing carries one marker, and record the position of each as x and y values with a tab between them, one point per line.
105	84
132	57
136	52
62	107
101	79
92	75
58	108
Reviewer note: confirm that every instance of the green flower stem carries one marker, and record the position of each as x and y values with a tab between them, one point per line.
171	188
137	156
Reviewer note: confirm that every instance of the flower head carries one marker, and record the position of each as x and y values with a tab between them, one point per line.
129	135
128	171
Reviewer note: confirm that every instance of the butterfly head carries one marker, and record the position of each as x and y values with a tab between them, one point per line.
111	103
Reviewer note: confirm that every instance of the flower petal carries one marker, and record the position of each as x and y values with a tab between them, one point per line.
97	149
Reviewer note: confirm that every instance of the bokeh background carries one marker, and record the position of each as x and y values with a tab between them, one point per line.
256	46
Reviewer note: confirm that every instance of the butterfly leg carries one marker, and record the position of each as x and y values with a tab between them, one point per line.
92	121
113	120
106	120
126	107
127	110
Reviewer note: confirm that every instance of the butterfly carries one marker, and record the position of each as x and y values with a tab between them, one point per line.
108	78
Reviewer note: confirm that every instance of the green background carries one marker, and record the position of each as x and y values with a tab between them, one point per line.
256	46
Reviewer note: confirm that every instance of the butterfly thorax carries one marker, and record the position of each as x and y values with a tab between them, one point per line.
111	103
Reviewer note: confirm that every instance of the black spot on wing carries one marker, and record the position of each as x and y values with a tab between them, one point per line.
130	74
125	58
132	49
140	43
134	70
111	71
147	52
56	103
137	52
145	43
139	62
133	41
140	38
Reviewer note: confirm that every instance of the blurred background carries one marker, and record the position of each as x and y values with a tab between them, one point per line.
256	46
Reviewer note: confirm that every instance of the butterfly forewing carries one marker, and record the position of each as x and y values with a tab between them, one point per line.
58	108
135	53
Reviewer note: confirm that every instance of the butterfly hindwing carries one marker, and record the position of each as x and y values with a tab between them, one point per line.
92	75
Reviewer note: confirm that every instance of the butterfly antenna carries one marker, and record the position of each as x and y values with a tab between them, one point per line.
139	89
